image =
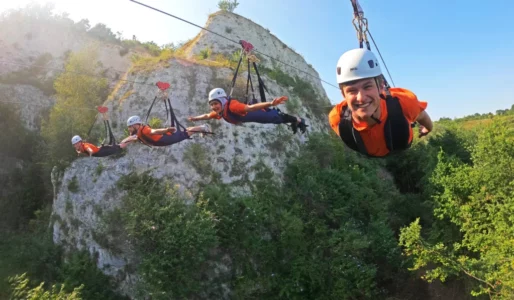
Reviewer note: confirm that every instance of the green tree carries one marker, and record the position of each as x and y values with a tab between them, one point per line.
79	89
228	5
22	291
102	32
324	233
478	198
173	239
81	270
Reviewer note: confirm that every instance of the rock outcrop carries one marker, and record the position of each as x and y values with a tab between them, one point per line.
87	189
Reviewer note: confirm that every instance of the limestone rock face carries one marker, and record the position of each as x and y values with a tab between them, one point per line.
87	189
34	51
236	28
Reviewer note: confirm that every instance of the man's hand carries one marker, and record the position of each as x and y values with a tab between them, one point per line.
192	119
129	139
172	129
279	100
423	131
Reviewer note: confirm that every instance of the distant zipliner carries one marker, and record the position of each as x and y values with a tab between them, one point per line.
373	119
225	107
175	133
83	147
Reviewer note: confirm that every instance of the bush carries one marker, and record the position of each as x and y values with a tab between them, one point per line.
21	290
81	271
476	198
83	93
173	239
228	5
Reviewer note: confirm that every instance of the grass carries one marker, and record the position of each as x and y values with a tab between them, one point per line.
147	64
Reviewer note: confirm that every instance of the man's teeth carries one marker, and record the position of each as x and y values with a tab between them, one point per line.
363	105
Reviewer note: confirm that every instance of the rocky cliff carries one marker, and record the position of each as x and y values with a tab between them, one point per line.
87	189
34	47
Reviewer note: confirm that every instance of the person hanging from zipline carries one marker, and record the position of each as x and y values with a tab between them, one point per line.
161	136
374	119
235	112
85	148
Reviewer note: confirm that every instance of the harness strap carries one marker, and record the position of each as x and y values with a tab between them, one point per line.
112	139
174	120
168	113
396	129
262	86
143	138
150	109
249	84
396	123
92	125
350	136
226	113
235	73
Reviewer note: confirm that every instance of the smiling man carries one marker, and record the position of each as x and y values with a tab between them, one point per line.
235	112
372	119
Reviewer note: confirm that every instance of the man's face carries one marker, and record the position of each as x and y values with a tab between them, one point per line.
77	146
215	106
363	97
132	129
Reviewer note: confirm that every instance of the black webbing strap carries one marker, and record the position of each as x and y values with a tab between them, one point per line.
92	125
174	121
144	139
150	109
349	135
112	139
249	84
235	73
262	86
396	129
396	123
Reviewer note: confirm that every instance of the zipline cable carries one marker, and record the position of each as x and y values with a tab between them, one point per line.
381	58
233	41
74	72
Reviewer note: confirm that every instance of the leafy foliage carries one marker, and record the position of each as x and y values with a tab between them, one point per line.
228	5
476	196
23	190
30	251
173	238
322	234
79	89
81	271
21	290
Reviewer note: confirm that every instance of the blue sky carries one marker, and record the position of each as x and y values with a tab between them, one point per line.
456	55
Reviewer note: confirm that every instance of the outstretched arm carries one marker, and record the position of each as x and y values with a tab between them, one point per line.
200	117
129	139
162	130
258	106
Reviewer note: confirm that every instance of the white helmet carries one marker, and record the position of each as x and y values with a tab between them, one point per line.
75	139
357	64
134	120
217	93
